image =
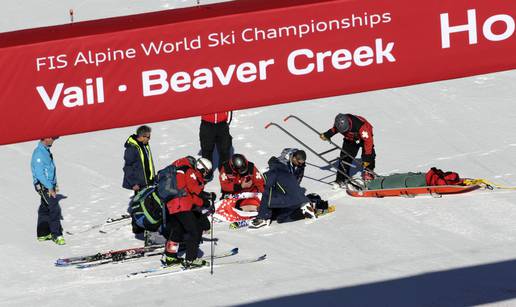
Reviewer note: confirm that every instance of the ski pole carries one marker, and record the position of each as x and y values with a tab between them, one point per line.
329	141
211	256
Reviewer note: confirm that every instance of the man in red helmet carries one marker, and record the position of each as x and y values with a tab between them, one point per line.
238	175
358	133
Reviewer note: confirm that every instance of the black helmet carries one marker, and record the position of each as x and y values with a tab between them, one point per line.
238	163
342	123
191	160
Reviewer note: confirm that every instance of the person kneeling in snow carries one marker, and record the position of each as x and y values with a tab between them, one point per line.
294	159
283	199
239	176
185	221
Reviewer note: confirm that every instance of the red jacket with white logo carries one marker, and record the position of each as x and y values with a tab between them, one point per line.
361	132
231	181
216	118
191	180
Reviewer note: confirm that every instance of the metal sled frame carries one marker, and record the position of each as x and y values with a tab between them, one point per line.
335	146
320	155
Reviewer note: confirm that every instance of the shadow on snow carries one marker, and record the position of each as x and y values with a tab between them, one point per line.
475	285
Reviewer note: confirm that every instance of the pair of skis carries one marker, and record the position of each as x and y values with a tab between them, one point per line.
179	269
109	222
321	155
110	256
129	254
113	256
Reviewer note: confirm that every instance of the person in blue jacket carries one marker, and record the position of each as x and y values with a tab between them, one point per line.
283	199
138	168
45	182
139	171
295	160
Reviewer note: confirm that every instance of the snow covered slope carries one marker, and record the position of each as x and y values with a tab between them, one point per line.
456	250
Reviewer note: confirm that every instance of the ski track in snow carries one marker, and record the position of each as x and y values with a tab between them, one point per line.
366	242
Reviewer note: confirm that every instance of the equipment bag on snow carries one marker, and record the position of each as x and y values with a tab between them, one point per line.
166	184
147	209
436	176
403	180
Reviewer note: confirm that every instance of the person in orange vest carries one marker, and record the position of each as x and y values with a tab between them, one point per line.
214	131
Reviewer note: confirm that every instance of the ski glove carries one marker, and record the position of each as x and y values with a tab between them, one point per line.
323	137
208	206
208	196
367	176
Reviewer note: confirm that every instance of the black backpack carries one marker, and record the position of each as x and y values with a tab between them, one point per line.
166	184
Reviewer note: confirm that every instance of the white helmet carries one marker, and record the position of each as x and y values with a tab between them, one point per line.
204	166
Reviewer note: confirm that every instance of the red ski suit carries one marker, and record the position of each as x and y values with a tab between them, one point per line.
191	180
216	118
361	133
231	182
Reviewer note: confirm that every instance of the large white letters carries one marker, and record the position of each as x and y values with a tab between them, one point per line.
300	61
471	28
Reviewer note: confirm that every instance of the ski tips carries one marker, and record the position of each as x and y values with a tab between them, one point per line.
268	125
262	257
61	262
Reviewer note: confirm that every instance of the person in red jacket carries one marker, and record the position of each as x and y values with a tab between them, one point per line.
185	219
358	133
238	175
214	131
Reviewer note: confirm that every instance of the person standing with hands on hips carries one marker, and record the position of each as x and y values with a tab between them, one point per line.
45	182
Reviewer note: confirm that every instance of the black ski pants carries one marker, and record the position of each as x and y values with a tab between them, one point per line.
212	135
187	227
351	148
49	216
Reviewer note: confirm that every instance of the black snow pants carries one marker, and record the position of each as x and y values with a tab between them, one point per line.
212	135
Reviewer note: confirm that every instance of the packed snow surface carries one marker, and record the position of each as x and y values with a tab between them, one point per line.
450	251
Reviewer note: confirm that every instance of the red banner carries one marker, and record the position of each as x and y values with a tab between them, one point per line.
173	64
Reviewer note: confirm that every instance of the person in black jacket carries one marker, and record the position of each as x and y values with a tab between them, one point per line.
139	169
282	199
295	160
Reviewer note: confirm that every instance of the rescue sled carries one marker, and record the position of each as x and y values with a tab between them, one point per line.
435	191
